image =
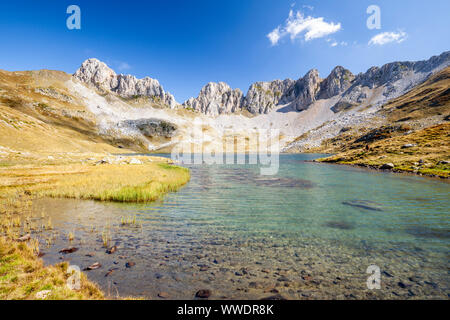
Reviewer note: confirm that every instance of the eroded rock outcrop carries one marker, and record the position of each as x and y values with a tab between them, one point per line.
100	76
377	85
264	96
339	80
216	98
304	91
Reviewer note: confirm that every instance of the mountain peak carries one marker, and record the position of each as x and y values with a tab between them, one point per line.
97	74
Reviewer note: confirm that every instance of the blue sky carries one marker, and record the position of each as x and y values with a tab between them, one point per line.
185	44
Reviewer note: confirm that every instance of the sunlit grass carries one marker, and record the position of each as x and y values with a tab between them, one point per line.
23	275
431	148
121	183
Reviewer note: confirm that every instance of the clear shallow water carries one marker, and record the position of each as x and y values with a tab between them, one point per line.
309	232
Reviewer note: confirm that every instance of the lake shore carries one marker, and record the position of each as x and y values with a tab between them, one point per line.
97	177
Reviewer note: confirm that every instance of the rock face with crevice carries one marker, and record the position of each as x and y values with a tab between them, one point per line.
304	91
97	74
215	99
264	96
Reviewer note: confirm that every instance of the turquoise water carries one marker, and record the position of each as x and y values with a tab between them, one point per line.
316	226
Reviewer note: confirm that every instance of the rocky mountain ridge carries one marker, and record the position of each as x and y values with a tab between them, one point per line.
393	79
376	86
97	74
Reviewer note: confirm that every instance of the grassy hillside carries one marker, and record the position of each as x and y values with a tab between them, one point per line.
38	114
50	147
415	136
423	151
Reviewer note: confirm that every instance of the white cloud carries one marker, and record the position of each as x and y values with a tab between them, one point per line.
274	36
297	25
334	44
387	37
306	6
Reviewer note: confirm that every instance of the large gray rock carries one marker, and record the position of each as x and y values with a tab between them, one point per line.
216	98
100	76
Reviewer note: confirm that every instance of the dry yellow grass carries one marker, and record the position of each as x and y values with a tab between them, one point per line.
430	150
109	182
36	109
22	273
23	276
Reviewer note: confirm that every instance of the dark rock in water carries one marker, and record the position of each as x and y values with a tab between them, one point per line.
130	264
203	294
284	183
93	266
204	268
343	225
254	285
111	250
110	271
283	279
246	176
275	297
387	274
434	285
362	204
426	232
68	250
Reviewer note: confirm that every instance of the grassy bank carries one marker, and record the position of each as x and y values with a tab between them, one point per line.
22	273
423	152
23	276
107	182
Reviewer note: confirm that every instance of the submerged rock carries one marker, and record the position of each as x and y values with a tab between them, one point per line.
94	266
363	204
343	225
68	250
275	297
111	250
203	294
427	232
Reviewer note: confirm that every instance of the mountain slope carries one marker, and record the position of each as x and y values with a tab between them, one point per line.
374	87
414	135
